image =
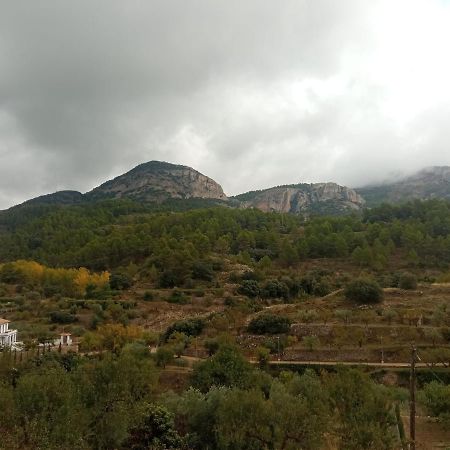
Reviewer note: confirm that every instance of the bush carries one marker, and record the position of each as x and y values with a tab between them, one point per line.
249	288
154	428
446	334
168	279
10	274
276	289
164	355
189	327
199	293
310	342
228	367
212	346
217	264
178	298
120	281
314	283
436	399
269	324
202	270
364	290
407	281
62	317
148	296
321	288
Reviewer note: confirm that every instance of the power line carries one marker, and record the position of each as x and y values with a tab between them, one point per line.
430	368
412	402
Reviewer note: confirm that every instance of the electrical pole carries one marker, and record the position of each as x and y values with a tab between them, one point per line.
412	404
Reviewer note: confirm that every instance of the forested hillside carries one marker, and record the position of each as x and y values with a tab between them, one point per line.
220	296
115	233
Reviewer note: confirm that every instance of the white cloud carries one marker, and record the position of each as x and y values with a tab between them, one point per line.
251	93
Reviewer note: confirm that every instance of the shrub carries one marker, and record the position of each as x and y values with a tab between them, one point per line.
178	298
407	281
364	290
228	367
154	428
436	399
310	342
276	289
199	293
308	316
168	279
250	275
62	317
212	346
231	301
203	270
249	288
217	264
190	327
321	288
344	314
269	324
148	296
164	355
446	334
10	274
120	281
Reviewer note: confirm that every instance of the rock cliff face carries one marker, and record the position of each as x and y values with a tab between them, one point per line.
429	183
157	181
320	198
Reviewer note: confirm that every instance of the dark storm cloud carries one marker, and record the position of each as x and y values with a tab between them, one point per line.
250	92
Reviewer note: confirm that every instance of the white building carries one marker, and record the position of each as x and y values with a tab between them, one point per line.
8	338
65	340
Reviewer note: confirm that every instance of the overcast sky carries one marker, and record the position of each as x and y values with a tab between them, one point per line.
253	93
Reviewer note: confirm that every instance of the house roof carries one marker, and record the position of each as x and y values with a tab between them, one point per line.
3	321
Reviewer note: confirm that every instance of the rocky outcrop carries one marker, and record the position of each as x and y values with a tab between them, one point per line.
157	181
320	198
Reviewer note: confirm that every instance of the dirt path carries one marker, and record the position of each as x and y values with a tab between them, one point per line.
390	365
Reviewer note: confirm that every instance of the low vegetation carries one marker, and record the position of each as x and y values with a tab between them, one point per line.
179	318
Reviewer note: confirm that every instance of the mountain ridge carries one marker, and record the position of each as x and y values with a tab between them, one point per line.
320	198
426	184
159	182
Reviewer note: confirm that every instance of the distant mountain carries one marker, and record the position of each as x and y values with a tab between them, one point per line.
166	186
157	181
154	182
318	198
163	186
429	183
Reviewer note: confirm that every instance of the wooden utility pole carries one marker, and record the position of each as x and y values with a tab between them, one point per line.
412	401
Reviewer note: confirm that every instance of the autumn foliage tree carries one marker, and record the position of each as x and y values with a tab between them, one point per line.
67	282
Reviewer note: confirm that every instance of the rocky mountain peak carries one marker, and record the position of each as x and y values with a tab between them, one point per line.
327	198
157	181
